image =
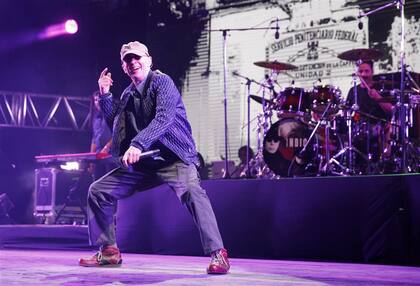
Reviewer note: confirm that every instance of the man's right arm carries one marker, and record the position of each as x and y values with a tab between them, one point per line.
106	101
109	107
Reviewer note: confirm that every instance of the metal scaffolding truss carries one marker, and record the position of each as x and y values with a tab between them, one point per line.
29	110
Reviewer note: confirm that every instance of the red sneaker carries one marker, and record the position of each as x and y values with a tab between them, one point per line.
219	263
109	256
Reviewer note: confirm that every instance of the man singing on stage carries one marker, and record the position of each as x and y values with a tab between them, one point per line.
149	115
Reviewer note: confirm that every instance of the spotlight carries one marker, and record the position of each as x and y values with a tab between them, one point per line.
65	28
71	26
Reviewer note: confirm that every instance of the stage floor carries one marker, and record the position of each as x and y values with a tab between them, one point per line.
35	267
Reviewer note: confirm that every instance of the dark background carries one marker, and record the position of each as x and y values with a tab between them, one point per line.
71	64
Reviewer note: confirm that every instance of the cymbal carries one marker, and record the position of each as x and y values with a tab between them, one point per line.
275	65
259	99
364	114
361	54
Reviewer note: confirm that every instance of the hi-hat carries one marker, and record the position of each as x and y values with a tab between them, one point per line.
387	99
383	81
275	65
361	54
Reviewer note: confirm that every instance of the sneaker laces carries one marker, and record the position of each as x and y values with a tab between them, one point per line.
218	258
98	255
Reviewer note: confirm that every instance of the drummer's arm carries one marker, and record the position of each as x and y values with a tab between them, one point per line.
386	106
350	97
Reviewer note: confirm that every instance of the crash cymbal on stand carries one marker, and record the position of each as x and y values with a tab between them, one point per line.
260	99
361	54
275	65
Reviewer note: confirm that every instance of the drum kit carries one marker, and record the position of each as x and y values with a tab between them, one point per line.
319	133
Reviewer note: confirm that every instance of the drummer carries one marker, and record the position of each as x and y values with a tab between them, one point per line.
374	111
368	98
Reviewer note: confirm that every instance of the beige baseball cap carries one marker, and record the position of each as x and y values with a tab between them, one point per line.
135	47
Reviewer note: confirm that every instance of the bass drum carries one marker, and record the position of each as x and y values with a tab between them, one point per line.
283	141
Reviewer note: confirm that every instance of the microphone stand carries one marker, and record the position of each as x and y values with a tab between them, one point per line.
302	152
226	174
403	108
248	137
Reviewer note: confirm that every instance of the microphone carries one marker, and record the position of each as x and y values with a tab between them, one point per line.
276	34
360	24
147	154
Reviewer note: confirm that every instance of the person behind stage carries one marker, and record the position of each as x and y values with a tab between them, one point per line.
101	139
241	169
149	115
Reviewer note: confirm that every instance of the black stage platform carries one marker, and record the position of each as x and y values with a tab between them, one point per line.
373	219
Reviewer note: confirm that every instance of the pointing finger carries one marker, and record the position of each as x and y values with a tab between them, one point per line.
104	72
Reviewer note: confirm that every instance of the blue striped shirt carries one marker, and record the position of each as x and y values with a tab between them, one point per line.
163	114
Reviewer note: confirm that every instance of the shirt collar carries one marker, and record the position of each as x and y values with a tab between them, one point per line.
140	86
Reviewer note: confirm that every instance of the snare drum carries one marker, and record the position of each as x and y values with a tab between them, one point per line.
321	95
292	102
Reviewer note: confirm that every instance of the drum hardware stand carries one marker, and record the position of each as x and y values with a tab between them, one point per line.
257	166
327	151
394	137
326	168
350	169
410	153
368	149
248	136
413	82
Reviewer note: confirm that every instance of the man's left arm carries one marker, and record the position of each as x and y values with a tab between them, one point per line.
107	147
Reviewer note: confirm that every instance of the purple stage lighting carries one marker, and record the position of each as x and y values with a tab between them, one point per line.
68	27
71	26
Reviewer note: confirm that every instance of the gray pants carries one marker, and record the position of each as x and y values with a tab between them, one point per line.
121	183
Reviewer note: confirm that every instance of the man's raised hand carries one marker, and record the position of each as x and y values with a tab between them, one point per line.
105	81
